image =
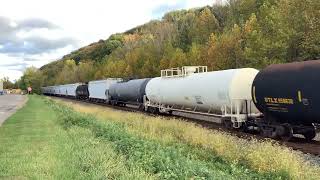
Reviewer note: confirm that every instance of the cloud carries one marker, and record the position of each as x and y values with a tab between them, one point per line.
35	45
34	23
32	42
16	66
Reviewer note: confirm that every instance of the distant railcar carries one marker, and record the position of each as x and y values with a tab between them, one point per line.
82	92
69	90
130	92
98	90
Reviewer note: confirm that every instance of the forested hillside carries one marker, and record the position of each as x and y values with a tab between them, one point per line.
239	33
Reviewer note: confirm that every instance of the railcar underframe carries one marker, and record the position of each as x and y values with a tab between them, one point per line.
233	118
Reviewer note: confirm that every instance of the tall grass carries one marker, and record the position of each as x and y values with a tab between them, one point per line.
87	157
163	160
261	156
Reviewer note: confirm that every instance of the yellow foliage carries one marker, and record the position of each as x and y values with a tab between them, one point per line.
131	38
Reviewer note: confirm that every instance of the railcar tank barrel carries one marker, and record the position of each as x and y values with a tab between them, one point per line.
289	92
131	91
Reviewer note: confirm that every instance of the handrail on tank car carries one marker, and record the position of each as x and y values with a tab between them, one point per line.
235	110
183	71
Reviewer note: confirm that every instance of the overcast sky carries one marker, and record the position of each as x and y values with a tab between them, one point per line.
35	32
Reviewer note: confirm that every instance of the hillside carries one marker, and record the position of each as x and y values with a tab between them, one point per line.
240	33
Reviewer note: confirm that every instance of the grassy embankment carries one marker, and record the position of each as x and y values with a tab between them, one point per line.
34	145
45	140
259	156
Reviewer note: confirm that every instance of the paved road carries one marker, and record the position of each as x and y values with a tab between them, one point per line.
9	104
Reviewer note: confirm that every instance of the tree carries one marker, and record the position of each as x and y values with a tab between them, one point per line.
68	73
204	25
113	43
32	77
7	84
194	57
225	52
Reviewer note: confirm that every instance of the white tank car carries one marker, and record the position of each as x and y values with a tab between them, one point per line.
224	93
68	89
56	90
98	89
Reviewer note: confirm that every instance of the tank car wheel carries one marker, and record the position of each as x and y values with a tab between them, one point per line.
155	110
268	132
141	107
263	133
227	123
146	108
286	132
309	135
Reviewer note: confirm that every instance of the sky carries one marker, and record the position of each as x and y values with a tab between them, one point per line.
36	32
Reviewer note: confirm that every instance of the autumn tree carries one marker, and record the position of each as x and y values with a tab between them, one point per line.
204	25
32	77
7	84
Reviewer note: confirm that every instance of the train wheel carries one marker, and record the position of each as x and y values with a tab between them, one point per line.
155	110
227	123
268	132
286	132
309	135
141	107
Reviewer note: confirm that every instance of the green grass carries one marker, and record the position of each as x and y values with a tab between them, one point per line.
262	156
163	160
35	146
46	140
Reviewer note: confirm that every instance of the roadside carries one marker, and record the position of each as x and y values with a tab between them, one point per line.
9	104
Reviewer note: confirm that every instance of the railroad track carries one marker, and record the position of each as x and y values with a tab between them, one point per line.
295	143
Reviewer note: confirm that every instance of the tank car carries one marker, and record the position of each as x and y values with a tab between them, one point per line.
98	90
129	92
82	92
226	94
56	90
69	90
47	90
288	95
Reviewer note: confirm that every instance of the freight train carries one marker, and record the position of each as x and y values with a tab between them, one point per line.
278	101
